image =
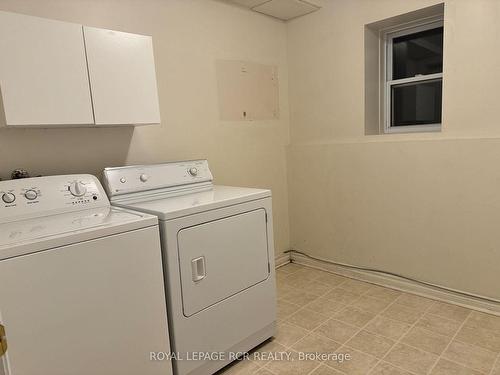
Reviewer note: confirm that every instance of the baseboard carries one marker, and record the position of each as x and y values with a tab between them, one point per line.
400	284
281	260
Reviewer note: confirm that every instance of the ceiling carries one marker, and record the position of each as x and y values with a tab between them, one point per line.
282	9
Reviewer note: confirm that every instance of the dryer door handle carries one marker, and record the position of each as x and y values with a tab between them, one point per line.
198	269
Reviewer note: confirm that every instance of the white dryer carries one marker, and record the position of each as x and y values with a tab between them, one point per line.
81	282
218	254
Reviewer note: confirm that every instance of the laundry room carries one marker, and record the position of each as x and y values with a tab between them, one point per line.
194	187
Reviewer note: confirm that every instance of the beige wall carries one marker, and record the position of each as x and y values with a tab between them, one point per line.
189	35
424	205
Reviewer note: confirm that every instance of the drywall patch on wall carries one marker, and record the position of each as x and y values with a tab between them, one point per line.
247	91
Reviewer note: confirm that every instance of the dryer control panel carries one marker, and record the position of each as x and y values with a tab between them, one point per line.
134	179
33	197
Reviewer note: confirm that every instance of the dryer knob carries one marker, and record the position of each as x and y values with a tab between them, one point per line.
144	177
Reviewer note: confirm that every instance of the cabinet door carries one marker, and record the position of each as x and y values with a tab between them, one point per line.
122	77
43	72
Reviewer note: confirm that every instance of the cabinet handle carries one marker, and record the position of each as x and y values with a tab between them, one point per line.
198	269
3	341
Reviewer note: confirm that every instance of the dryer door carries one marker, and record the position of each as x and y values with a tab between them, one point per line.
221	258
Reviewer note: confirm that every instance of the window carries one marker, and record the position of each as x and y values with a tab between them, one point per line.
414	78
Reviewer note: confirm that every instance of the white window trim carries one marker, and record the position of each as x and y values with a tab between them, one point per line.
388	82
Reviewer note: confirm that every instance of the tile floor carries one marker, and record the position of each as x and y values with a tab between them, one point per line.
384	331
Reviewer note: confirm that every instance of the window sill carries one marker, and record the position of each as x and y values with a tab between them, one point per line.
413	129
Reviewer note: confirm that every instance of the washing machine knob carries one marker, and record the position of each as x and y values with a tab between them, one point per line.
31	195
77	189
8	198
193	171
143	177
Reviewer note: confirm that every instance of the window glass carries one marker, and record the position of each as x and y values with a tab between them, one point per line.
416	103
418	53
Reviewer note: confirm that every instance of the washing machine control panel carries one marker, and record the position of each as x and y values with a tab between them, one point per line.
125	180
58	194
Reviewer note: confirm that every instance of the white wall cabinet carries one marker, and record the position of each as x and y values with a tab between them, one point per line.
122	77
43	72
57	74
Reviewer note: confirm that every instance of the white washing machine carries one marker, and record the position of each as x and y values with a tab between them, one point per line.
218	256
81	282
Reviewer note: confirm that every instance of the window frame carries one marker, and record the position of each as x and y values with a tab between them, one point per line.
388	82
